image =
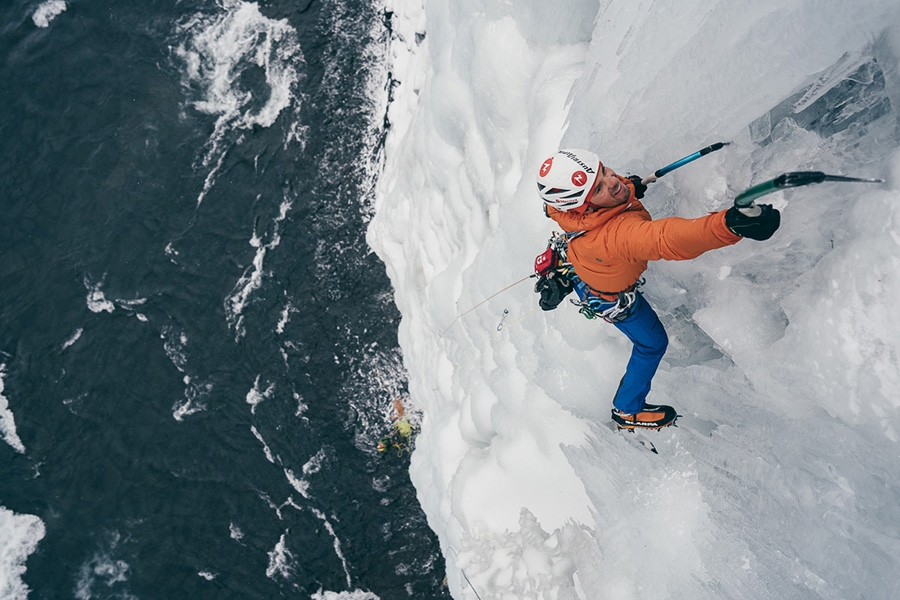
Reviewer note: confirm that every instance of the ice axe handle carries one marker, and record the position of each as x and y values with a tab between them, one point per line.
683	161
751	211
744	202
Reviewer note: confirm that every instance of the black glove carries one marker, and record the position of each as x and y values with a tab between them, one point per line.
639	188
553	288
761	227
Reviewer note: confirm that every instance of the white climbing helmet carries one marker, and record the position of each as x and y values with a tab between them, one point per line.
565	179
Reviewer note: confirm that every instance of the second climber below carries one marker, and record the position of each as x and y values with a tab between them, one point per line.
616	238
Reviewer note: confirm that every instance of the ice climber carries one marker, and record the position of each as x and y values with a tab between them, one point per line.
611	239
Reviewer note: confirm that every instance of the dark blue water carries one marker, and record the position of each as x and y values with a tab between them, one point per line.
200	348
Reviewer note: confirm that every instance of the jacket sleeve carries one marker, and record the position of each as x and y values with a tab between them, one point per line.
630	238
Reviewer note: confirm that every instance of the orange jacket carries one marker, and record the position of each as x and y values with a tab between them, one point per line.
620	241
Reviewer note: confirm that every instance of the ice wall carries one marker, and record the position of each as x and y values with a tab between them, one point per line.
785	355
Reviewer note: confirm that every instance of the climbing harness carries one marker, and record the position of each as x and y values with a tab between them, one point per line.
557	278
592	305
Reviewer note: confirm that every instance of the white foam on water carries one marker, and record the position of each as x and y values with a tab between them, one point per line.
281	560
312	466
257	394
285	316
172	253
76	335
216	51
192	403
103	574
175	345
269	456
354	595
129	306
7	420
301	485
252	278
98	302
19	537
336	542
96	299
48	11
301	406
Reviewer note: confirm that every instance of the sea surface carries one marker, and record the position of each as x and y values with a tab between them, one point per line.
197	348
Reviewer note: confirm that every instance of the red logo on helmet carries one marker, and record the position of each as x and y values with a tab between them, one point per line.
545	168
579	178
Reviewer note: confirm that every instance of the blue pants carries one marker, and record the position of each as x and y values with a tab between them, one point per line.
650	341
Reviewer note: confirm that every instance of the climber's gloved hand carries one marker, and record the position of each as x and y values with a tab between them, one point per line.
553	288
639	188
760	227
